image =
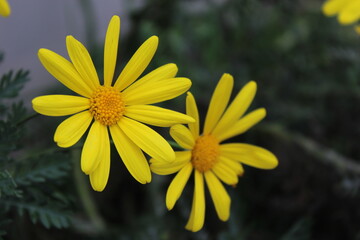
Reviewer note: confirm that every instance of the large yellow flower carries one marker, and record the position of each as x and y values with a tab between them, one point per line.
119	108
4	8
348	11
207	157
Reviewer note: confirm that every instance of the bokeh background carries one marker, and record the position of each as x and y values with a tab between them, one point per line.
307	68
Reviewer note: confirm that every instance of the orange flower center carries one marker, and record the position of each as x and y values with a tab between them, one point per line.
107	105
205	153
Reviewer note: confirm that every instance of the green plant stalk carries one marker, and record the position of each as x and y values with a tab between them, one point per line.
85	195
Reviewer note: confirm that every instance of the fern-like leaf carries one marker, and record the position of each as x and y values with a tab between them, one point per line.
10	84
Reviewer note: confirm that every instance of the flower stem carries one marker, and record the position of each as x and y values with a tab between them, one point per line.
85	195
24	120
174	144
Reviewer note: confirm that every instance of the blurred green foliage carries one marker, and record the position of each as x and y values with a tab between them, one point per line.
307	70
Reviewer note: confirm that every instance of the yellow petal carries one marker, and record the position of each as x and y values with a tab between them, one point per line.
60	105
159	91
219	101
164	72
156	116
225	173
111	49
250	155
5	10
147	139
350	13
232	164
177	185
137	64
64	71
131	155
99	177
71	130
165	168
332	7
197	215
192	111
237	108
182	136
242	125
93	147
220	197
82	62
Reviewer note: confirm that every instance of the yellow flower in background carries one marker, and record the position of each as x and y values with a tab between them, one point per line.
118	108
208	157
348	11
4	8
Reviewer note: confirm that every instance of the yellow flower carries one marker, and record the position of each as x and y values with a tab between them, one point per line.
118	108
4	8
348	11
208	157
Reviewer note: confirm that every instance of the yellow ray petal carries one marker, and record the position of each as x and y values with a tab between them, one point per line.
177	185
182	136
99	177
249	154
137	64
219	101
350	13
164	72
111	49
332	7
156	116
164	168
232	164
225	173
82	62
237	108
147	139
93	147
64	71
197	215
131	155
192	111
59	105
220	197
71	130
159	91
242	125
5	10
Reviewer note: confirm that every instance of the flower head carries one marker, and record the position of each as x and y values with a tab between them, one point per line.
4	8
208	157
348	11
119	108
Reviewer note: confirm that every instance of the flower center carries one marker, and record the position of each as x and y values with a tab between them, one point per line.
107	105
205	153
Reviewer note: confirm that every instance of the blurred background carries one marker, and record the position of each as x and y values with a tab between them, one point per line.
307	68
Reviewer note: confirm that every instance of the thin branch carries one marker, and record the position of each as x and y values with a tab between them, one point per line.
322	153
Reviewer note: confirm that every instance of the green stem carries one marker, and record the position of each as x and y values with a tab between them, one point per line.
85	195
24	120
175	144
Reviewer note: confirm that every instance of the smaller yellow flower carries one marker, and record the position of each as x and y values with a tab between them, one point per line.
208	157
348	11
4	8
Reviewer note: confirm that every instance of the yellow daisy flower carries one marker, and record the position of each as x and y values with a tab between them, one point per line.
118	108
208	157
4	8
348	11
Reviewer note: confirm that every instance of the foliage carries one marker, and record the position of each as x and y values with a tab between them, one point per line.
29	185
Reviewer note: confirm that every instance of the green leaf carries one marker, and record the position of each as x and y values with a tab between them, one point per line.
11	85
